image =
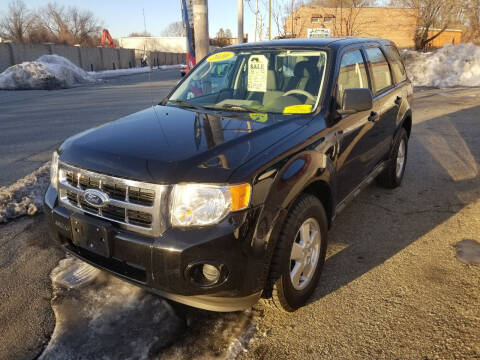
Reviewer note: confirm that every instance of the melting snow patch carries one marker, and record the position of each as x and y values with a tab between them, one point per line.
120	72
468	251
101	317
452	65
25	197
46	73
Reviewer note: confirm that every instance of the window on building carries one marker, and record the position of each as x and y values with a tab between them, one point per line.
398	70
382	78
328	19
316	19
353	73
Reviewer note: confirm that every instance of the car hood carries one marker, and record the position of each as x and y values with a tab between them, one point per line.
167	144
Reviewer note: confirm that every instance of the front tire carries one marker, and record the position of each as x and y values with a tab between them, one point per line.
392	176
300	254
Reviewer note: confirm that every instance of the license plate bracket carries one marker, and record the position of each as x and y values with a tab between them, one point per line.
91	234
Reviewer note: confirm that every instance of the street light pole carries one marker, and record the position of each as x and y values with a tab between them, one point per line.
269	19
200	24
256	21
240	21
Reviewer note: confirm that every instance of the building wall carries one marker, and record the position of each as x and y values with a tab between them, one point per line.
449	36
397	25
162	44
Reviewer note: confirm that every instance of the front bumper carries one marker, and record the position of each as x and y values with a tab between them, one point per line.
161	264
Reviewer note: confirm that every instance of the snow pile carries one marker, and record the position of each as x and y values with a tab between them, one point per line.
25	197
168	67
452	65
46	73
119	72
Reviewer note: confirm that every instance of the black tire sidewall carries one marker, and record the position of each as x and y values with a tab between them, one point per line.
402	135
294	297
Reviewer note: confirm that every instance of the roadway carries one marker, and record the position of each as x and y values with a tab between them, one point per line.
33	123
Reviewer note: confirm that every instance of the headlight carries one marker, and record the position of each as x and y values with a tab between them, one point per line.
54	170
200	205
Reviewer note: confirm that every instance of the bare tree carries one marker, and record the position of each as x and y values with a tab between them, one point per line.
432	14
15	25
174	29
470	20
67	25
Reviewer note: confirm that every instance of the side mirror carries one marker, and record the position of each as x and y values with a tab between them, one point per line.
356	100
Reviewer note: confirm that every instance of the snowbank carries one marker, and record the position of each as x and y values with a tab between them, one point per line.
50	72
452	65
119	72
25	197
46	73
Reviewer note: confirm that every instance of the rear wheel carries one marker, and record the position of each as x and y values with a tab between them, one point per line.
392	176
300	254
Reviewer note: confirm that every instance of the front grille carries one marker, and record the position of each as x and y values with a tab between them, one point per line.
134	205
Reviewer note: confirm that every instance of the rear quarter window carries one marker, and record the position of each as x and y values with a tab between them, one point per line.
398	69
382	78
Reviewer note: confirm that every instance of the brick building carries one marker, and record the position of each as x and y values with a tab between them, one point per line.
395	24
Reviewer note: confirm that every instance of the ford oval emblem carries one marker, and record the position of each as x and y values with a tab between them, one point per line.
95	197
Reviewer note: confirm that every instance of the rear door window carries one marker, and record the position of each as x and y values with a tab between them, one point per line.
382	78
398	70
353	73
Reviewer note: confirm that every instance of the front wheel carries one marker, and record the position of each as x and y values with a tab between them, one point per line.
300	254
392	176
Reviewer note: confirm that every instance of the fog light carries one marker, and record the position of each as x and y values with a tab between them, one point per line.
211	273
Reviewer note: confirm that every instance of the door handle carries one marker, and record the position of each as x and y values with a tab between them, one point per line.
373	116
398	100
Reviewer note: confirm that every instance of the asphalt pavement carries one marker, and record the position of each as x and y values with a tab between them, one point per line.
34	122
392	286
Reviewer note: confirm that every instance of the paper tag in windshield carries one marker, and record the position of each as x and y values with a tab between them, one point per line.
257	73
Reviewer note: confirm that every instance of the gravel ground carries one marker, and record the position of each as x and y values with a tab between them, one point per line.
392	287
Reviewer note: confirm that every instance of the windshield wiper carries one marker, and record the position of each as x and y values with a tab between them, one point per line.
232	107
184	103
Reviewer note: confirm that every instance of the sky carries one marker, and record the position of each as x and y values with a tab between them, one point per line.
122	17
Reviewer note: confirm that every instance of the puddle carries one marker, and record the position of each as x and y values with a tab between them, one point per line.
468	251
101	317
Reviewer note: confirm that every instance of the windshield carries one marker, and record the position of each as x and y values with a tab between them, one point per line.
270	81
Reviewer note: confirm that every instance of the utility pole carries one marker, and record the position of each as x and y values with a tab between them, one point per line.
269	19
240	21
200	24
293	35
256	21
144	23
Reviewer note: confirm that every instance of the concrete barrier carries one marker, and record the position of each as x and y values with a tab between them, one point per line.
91	58
110	59
127	58
6	56
69	52
88	58
27	52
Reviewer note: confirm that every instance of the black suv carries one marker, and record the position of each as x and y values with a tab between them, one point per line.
224	192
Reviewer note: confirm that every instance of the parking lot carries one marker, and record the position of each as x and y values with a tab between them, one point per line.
392	286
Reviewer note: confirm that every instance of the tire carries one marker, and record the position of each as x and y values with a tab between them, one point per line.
392	176
288	295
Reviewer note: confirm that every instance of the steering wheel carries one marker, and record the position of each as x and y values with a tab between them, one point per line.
301	92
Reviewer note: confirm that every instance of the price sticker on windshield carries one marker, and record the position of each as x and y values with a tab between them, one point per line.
257	73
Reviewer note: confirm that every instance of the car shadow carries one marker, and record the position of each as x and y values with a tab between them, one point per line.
441	178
